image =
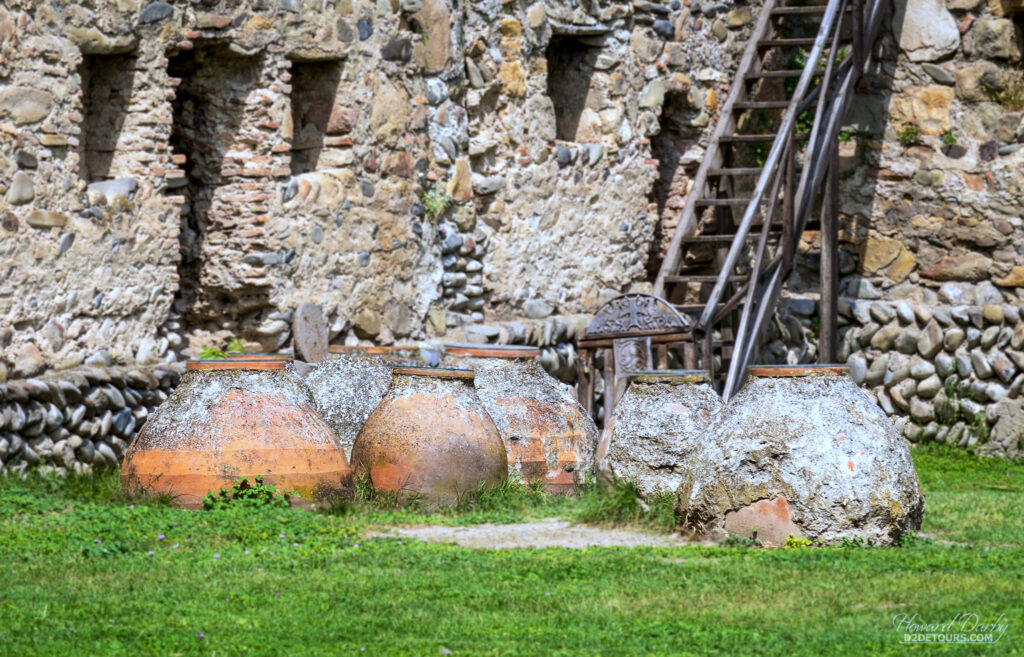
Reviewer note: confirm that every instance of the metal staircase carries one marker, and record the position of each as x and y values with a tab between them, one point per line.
770	163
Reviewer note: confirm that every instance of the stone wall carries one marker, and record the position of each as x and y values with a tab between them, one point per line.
174	175
932	161
78	418
947	373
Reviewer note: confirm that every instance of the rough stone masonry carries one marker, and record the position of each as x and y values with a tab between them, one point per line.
173	175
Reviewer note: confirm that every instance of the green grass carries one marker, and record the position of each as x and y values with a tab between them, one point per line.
513	501
909	135
77	578
622	506
970	499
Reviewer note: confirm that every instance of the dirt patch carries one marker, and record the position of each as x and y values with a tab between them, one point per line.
550	532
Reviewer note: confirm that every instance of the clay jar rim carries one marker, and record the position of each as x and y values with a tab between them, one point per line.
669	376
234	364
369	349
794	371
435	372
492	351
260	356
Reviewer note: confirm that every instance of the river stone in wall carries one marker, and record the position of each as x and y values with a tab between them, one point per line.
813	456
926	30
660	419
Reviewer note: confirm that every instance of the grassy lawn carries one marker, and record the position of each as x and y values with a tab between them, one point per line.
85	573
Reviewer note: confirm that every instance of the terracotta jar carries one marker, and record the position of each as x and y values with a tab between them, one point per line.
347	386
547	434
430	436
297	368
801	450
229	419
662	416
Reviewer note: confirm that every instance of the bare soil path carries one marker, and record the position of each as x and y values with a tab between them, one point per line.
550	532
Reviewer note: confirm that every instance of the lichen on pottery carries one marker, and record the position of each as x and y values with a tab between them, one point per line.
232	419
548	436
346	388
396	355
661	418
801	451
352	380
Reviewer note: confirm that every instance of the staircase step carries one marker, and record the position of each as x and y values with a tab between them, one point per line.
748	139
780	74
707	202
761	104
736	171
764	44
698	278
755	232
725	239
699	308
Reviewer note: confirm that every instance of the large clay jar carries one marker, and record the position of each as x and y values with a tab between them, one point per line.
234	418
351	382
661	418
547	434
801	451
430	436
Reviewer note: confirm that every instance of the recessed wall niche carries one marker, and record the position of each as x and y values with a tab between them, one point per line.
570	69
314	89
668	193
208	115
107	82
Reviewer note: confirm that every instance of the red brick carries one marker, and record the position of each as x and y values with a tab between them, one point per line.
885	174
974	181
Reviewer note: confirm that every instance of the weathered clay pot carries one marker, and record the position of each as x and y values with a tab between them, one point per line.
547	434
430	436
662	416
802	451
235	418
347	386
